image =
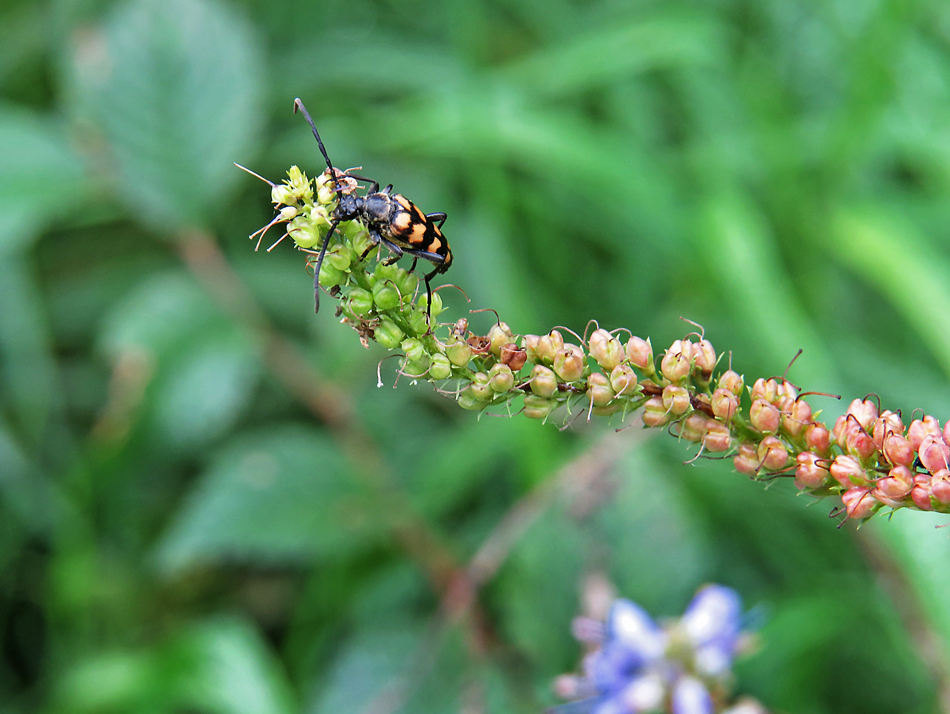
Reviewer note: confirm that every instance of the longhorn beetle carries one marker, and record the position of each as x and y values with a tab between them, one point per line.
390	218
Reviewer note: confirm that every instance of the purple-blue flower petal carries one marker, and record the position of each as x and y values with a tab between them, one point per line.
690	696
630	625
712	624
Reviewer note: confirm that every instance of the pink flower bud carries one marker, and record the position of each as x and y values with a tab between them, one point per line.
677	361
724	404
718	437
746	461
898	484
897	450
886	425
838	431
940	486
531	348
865	411
933	452
797	417
598	389
765	389
810	472
693	427
640	354
499	336
676	399
787	389
548	346
764	417
606	349
920	495
818	439
569	363
543	381
859	443
772	453
731	381
623	380
655	413
848	471
918	429
704	359
859	503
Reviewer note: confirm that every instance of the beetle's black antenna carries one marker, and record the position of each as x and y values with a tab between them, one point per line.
299	105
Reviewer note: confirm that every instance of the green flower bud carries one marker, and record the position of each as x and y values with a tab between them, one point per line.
388	333
481	387
543	381
362	243
606	349
598	389
468	400
414	349
440	367
326	195
298	182
499	336
330	276
417	322
459	352
407	284
282	195
339	256
502	378
416	369
304	232
385	295
351	229
569	363
360	302
436	303
536	407
384	272
287	213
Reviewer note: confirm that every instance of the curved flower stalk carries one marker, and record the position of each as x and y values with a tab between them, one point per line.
635	665
869	458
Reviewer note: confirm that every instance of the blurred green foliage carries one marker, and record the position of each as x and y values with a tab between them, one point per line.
206	503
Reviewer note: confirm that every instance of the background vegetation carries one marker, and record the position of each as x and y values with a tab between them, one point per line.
206	503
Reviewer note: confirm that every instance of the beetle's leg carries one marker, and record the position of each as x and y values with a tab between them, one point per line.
439	218
316	268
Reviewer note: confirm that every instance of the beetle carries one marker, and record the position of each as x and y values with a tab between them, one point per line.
391	219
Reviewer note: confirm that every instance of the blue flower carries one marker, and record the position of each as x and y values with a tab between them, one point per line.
638	666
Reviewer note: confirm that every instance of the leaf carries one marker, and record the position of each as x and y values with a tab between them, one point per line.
203	393
175	87
38	163
633	47
283	494
161	313
27	366
231	670
890	254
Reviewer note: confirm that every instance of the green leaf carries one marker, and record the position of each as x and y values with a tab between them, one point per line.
41	178
890	254
159	315
203	393
283	494
633	47
28	369
231	670
175	88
